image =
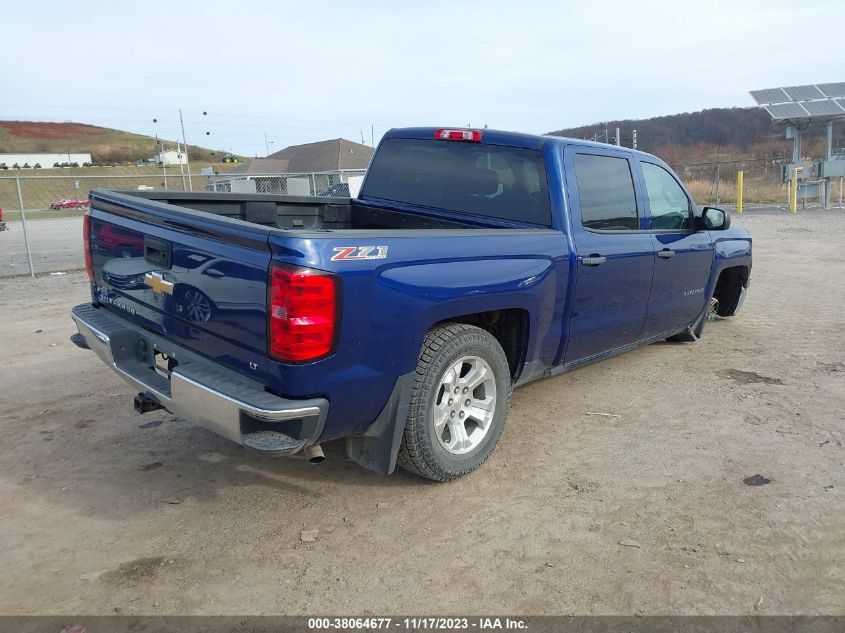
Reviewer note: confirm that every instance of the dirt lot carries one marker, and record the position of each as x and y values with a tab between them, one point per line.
102	511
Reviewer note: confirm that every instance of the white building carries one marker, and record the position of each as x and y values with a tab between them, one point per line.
171	157
45	160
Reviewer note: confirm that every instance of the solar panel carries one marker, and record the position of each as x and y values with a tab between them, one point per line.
769	95
801	93
786	111
822	108
818	101
833	90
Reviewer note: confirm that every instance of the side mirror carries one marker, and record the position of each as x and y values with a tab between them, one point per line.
715	219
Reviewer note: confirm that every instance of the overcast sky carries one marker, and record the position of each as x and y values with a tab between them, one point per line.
308	71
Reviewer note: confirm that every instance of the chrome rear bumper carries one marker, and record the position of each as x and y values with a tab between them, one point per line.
200	390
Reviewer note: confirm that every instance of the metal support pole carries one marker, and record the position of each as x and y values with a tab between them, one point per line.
23	222
181	166
185	144
793	191
796	146
313	185
617	137
163	162
828	156
739	185
634	144
718	179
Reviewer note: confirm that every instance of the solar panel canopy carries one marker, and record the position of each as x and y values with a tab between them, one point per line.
833	90
786	111
827	107
813	101
770	95
803	93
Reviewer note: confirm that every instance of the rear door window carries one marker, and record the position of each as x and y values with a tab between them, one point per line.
606	191
507	183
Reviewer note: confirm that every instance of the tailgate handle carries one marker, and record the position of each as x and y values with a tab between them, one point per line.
157	252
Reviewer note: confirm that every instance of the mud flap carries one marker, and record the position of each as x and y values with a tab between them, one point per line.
693	332
377	447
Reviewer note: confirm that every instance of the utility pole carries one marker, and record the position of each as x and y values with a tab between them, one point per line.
185	143
617	137
267	143
161	159
181	165
634	145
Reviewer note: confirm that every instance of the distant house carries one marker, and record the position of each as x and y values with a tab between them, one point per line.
311	158
309	169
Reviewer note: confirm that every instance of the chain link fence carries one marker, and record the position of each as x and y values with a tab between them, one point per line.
41	219
41	223
715	183
330	183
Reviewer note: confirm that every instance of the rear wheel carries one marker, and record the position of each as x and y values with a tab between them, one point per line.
459	403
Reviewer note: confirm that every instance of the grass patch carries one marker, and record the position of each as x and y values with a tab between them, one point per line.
41	214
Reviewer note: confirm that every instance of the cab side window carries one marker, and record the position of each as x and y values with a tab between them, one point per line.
670	207
606	190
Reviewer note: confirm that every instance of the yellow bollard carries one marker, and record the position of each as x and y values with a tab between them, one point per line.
793	191
739	175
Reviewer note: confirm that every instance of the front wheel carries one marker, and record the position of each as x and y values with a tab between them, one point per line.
459	403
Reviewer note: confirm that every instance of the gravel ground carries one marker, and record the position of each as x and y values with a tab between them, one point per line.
55	243
103	512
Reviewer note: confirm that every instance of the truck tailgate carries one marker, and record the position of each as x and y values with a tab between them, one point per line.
198	279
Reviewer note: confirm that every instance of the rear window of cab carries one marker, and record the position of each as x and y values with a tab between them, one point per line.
493	181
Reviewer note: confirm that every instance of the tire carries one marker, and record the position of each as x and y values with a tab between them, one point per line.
446	438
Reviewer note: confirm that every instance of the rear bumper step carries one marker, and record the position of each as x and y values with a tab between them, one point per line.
199	390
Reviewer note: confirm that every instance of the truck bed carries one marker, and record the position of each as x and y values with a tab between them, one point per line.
299	212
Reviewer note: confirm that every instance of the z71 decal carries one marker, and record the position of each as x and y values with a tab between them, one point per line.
350	253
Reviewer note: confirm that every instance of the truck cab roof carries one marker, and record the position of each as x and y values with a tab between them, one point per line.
503	137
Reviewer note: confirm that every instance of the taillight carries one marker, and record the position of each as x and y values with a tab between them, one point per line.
473	136
86	244
302	313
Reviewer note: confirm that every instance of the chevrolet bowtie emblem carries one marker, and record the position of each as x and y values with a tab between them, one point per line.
158	283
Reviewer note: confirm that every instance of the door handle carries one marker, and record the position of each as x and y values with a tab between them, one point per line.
593	260
665	253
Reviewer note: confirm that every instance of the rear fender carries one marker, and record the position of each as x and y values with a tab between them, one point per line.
442	291
449	290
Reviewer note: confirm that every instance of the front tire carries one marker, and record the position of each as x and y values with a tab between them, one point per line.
459	403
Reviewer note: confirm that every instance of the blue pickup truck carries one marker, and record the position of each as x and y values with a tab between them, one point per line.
471	262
